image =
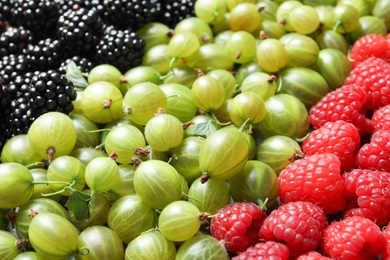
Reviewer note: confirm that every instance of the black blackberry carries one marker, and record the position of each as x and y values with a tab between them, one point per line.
83	64
4	114
123	49
173	11
46	54
64	5
11	66
6	9
39	16
51	91
126	14
14	40
79	31
19	117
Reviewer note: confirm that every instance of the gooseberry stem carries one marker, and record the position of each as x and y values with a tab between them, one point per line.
68	186
217	121
35	165
247	121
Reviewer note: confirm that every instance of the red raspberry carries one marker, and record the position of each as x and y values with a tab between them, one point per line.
298	225
376	153
315	178
373	74
381	118
367	195
386	56
312	255
386	248
237	225
339	138
368	46
266	250
352	238
345	103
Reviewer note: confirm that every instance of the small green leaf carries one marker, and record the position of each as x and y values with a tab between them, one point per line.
203	129
78	204
74	75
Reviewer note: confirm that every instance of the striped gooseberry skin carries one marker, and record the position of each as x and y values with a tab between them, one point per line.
202	247
101	174
164	132
247	105
100	242
53	236
223	154
157	183
208	93
38	205
142	101
150	245
124	140
129	216
179	221
8	248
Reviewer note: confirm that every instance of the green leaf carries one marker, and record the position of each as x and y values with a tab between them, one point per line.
74	75
78	203
204	129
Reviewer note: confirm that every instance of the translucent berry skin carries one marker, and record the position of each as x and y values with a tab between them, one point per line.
339	138
372	74
237	225
266	250
368	46
381	118
315	178
345	103
352	238
366	193
376	153
298	225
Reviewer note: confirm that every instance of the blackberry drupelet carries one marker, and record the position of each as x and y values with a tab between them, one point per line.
126	14
83	64
39	16
123	49
173	11
79	31
6	9
14	40
51	91
46	54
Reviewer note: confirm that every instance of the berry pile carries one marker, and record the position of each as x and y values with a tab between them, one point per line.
195	129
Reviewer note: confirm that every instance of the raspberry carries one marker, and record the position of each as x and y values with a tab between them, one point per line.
237	225
386	248
376	153
381	118
315	178
266	250
345	103
352	238
368	46
367	195
372	74
312	255
298	225
340	138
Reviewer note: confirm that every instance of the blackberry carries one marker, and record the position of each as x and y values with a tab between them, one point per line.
79	31
126	14
19	116
51	91
46	54
6	9
14	40
123	49
64	5
11	66
4	114
83	64
173	11
39	16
